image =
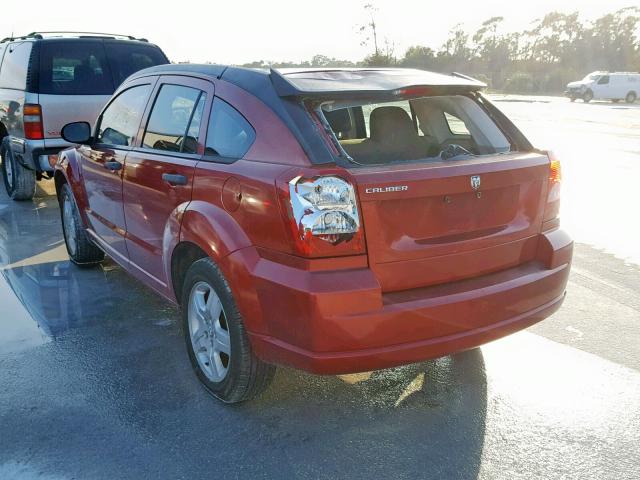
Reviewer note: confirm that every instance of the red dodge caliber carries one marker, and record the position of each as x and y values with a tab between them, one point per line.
334	220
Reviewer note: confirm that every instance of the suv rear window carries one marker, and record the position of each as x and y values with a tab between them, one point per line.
92	67
128	58
74	68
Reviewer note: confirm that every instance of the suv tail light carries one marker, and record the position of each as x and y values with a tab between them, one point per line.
32	118
552	208
324	216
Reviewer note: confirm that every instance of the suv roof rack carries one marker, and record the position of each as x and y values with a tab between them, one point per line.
62	33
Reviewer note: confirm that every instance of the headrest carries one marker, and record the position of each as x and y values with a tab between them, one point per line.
339	120
391	124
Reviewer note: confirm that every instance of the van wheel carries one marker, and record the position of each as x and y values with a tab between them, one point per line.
82	251
20	182
631	97
587	96
217	342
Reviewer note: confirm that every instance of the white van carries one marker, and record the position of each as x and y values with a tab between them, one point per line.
613	86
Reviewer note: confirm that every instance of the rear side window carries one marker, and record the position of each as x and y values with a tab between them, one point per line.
169	127
120	121
15	65
229	134
74	68
127	58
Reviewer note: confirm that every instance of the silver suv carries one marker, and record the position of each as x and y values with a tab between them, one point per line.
49	79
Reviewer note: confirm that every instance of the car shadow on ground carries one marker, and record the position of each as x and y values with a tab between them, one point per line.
114	381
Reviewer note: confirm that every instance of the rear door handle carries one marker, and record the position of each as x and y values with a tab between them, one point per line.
113	165
174	179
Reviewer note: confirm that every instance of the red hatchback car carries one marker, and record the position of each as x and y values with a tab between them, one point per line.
332	220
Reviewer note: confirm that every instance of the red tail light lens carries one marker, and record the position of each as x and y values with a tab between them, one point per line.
32	118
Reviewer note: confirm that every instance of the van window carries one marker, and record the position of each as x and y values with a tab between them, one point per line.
228	134
119	123
74	68
127	58
15	65
604	80
171	114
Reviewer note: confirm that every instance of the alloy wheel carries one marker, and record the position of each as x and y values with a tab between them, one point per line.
69	224
209	331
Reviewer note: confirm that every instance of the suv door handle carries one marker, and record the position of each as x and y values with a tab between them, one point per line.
174	179
113	165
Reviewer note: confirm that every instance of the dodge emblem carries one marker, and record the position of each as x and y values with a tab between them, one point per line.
475	182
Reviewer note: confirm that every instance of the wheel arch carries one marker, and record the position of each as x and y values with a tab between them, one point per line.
67	170
208	231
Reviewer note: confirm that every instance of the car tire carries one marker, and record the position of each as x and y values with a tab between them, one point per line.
216	339
82	251
19	181
631	97
587	96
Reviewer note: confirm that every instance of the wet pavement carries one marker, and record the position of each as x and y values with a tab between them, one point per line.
95	383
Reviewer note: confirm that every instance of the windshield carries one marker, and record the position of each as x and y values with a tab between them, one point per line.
591	77
440	128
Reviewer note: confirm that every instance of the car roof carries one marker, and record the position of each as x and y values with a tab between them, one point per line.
72	36
309	82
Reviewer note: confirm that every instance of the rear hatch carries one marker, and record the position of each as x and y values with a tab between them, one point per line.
427	224
76	76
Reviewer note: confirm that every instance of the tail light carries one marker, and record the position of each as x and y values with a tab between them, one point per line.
552	209
324	216
32	118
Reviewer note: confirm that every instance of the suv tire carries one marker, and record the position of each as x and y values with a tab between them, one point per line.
19	181
631	97
587	96
82	251
212	324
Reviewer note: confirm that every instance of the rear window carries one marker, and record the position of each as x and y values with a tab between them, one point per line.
74	68
92	67
429	128
127	58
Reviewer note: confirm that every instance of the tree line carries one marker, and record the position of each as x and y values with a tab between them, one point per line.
557	49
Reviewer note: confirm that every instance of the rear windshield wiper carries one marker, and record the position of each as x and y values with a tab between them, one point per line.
453	151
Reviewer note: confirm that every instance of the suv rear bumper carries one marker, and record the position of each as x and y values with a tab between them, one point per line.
29	152
339	321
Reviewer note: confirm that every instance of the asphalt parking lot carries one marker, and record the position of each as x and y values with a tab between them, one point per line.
95	381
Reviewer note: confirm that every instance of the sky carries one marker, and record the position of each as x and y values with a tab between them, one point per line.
239	31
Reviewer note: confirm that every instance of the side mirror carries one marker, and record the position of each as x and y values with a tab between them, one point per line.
77	132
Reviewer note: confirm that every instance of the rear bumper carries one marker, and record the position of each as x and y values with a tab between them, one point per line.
32	153
340	322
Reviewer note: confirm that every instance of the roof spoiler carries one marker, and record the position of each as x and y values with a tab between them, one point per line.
467	77
367	89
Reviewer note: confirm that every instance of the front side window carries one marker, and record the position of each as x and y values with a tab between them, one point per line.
119	123
171	126
603	80
74	68
229	134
